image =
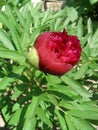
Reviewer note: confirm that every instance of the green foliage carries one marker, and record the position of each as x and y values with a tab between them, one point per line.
31	100
86	9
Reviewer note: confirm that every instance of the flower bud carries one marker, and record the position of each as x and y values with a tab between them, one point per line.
33	57
55	52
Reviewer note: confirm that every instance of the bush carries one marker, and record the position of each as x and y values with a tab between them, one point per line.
32	100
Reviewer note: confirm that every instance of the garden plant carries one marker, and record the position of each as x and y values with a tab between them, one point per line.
40	90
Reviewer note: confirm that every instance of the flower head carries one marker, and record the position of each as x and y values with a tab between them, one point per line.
57	52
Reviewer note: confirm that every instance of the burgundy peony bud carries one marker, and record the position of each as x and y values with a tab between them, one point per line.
55	52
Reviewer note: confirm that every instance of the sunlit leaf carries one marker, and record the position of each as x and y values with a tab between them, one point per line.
85	114
43	116
69	122
82	124
61	120
75	86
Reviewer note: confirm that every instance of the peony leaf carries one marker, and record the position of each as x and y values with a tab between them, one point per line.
75	86
5	113
15	118
81	124
29	124
53	79
70	123
19	15
66	90
12	55
85	39
93	1
70	11
4	19
70	105
50	98
46	15
80	29
26	33
5	40
61	120
18	90
43	116
14	27
85	114
90	26
82	71
95	36
7	80
31	111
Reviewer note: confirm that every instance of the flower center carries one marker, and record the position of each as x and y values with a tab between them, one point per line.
65	48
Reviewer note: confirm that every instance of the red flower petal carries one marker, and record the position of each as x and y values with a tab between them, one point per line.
58	52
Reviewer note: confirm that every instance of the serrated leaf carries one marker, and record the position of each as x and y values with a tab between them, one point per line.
75	86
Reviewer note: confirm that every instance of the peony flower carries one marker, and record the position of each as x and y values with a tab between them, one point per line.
55	52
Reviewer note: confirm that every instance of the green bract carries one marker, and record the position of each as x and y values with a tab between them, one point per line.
33	57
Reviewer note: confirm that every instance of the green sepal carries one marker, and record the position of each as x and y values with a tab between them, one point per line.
33	57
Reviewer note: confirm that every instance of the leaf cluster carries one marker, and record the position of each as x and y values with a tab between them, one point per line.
32	100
